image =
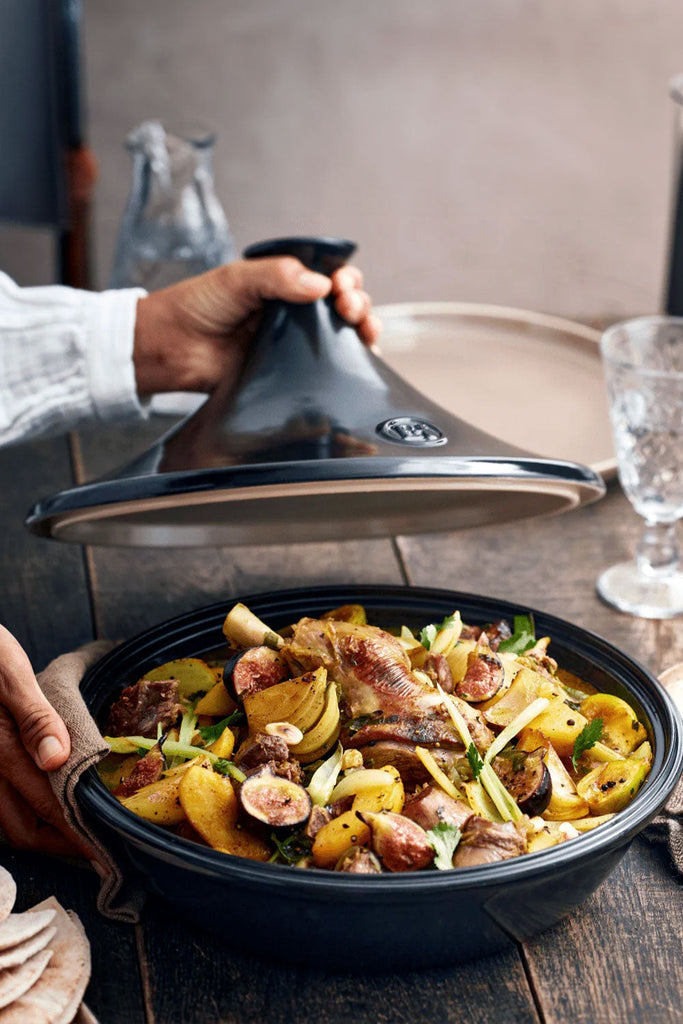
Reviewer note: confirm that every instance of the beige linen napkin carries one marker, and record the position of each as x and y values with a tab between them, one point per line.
60	683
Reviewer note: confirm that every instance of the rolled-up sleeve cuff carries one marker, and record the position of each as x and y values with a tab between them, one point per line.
110	333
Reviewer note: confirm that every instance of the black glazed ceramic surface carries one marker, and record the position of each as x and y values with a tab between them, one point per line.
388	922
319	437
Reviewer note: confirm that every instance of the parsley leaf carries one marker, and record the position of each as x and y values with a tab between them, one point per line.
427	635
523	636
476	763
443	839
209	733
587	738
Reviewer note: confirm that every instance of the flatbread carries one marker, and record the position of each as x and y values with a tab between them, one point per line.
8	893
20	953
20	927
57	995
16	981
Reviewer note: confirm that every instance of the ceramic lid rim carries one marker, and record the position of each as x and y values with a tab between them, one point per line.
540	474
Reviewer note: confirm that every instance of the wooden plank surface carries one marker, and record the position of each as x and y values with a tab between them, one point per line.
238	989
615	960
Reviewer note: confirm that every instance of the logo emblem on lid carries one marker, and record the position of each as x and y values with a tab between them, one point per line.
411	431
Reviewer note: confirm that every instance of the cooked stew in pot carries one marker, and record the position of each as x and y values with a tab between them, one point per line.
337	745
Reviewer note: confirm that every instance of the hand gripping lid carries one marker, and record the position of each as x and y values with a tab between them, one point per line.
317	440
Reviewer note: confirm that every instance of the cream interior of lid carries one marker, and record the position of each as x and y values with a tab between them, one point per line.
315	511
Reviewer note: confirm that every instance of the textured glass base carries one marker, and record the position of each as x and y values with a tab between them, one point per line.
649	597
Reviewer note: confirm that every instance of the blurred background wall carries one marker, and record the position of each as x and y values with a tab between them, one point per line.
507	151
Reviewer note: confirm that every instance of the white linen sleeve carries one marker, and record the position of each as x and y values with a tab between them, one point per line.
65	356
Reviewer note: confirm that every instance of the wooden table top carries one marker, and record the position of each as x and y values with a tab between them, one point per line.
616	960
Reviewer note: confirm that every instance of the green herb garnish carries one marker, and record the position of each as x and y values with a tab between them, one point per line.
476	763
587	738
427	636
291	849
210	733
225	767
523	636
443	839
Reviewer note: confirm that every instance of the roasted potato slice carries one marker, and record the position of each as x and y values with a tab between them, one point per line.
217	702
224	745
210	805
610	787
159	802
115	769
193	675
337	836
621	729
561	725
526	686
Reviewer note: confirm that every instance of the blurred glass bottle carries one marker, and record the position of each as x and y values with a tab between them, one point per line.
173	226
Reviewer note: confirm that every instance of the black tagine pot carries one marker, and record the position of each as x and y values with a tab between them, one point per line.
390	922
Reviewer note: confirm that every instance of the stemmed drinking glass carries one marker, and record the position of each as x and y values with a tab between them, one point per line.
643	363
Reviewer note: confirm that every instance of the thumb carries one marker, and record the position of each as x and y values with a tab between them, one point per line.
42	732
249	282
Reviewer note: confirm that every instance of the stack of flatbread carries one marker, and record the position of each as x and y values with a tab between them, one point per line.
44	962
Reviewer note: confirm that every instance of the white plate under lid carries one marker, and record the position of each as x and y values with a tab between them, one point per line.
534	380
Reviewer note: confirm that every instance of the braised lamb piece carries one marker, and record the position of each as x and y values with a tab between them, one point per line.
484	842
145	706
431	806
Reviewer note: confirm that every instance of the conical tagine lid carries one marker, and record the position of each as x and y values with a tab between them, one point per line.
318	440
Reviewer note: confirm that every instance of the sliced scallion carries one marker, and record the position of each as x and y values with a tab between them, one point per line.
530	712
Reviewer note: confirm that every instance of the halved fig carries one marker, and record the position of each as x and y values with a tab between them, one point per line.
252	670
275	801
526	777
399	842
484	676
